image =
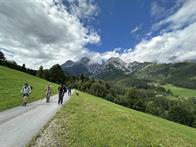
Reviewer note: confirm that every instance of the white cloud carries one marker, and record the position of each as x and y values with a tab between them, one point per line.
160	9
136	29
43	31
118	49
181	43
184	16
149	34
157	11
177	40
97	57
83	8
46	32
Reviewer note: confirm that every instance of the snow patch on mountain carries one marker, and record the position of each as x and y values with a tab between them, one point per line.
111	65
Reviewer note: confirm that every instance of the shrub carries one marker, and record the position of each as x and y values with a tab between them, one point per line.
180	115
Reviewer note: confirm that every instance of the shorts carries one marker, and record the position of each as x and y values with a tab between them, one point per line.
25	94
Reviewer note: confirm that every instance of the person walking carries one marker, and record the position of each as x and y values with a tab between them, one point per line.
25	91
69	91
64	90
61	90
48	91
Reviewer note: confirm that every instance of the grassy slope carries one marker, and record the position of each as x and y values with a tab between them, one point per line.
11	82
90	121
181	91
182	74
153	72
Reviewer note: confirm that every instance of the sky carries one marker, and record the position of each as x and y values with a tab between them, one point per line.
48	32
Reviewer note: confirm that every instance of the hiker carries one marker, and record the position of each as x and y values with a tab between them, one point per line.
69	91
48	91
61	90
26	91
64	90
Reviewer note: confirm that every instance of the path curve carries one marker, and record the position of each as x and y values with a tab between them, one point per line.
18	125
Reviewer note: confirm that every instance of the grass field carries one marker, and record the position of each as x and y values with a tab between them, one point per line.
88	121
11	82
179	91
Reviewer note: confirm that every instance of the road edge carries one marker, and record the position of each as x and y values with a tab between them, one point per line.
32	142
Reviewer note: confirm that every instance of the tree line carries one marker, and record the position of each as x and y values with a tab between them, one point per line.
14	65
54	74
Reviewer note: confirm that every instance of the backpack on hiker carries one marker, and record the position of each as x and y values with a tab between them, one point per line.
25	91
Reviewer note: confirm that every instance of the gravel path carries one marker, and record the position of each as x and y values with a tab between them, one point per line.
18	125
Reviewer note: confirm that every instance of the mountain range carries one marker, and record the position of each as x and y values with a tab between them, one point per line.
114	69
87	67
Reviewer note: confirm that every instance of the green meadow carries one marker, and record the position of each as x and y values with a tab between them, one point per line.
11	82
179	91
89	121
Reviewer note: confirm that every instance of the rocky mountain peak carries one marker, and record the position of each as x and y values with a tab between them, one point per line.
114	64
116	59
117	63
68	63
84	60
